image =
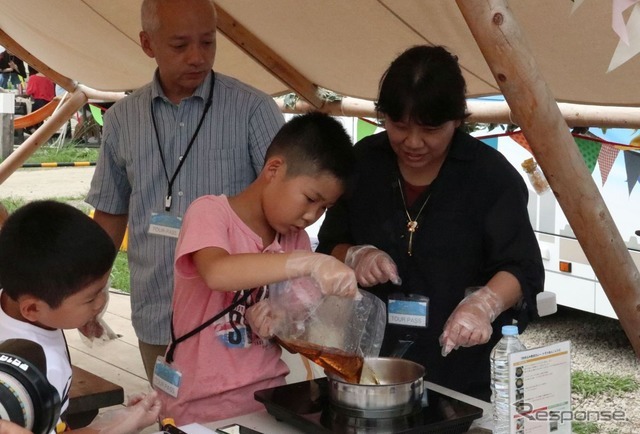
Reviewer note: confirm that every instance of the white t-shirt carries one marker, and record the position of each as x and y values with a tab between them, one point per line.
55	351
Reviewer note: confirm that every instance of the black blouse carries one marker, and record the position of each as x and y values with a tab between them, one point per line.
474	224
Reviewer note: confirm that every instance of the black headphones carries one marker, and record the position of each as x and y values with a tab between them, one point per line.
26	396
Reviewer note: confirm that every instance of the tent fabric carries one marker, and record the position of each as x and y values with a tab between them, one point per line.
343	46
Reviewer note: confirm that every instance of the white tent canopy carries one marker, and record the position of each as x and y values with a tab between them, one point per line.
339	45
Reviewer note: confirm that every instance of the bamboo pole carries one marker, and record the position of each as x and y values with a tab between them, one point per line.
42	134
497	112
536	112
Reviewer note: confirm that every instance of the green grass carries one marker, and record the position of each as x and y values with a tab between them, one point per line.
120	273
593	383
584	428
68	153
13	203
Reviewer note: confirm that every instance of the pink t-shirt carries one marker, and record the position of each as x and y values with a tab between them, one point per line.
224	364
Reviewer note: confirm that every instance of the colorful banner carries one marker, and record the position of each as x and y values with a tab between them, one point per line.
632	164
594	151
606	158
590	150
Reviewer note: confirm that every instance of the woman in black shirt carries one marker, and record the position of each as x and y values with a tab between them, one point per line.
437	226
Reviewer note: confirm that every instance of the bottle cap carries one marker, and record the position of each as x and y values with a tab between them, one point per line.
509	330
168	421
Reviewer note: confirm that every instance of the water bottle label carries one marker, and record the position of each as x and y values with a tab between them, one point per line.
408	310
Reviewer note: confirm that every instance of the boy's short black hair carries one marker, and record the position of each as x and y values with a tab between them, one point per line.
314	143
51	251
425	85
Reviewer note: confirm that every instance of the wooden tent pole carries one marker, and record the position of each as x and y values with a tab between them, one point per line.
534	109
42	134
482	111
12	45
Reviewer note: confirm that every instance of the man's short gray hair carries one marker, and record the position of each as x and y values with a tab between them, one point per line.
149	14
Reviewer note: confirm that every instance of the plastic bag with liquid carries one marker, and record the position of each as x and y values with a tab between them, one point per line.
337	333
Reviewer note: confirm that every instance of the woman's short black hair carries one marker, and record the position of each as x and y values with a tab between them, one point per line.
51	250
425	85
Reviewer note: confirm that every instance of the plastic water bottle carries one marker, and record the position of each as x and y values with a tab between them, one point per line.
500	377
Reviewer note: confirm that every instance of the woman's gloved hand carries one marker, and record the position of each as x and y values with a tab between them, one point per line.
141	411
372	266
470	322
333	277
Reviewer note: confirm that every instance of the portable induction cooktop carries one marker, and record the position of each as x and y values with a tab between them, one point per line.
306	406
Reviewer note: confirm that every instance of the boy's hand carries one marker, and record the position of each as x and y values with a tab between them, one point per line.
263	320
333	277
141	411
7	427
372	266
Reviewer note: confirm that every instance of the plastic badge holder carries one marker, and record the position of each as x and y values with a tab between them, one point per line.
354	326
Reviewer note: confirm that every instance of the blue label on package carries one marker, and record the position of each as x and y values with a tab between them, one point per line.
411	310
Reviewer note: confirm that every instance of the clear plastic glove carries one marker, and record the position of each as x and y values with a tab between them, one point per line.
141	411
372	266
263	319
333	277
470	322
97	331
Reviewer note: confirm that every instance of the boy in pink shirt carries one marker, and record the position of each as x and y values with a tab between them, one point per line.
229	249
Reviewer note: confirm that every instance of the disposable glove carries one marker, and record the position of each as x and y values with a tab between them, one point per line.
263	319
97	330
372	266
333	277
141	411
470	322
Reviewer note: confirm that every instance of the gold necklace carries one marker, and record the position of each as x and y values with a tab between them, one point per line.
412	224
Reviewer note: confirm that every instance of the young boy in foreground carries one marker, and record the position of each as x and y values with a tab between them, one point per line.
54	266
229	249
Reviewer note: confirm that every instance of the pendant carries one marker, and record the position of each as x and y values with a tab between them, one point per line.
412	225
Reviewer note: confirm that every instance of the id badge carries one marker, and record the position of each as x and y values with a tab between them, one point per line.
166	378
408	310
165	225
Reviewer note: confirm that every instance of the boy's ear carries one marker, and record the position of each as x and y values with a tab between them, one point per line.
273	165
30	307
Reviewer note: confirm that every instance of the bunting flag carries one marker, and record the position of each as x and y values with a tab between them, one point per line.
364	129
606	158
520	139
491	141
593	150
629	43
632	164
589	150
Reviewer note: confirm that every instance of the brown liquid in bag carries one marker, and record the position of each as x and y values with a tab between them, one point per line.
338	362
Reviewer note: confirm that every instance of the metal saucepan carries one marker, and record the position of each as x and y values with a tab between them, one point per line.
389	387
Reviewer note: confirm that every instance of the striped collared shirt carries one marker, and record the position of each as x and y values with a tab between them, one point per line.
226	156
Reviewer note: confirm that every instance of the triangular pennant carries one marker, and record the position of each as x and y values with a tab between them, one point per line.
491	141
626	50
364	129
632	164
519	139
589	150
606	158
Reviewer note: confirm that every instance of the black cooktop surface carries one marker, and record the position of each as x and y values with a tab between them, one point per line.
306	406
